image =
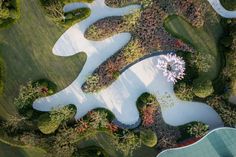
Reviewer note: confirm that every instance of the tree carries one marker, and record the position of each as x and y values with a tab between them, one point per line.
49	123
127	142
184	91
202	61
148	137
27	95
197	129
202	89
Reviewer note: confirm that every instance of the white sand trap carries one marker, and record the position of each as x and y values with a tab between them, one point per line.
121	96
217	6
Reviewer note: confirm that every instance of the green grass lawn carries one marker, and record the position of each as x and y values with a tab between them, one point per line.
204	40
26	48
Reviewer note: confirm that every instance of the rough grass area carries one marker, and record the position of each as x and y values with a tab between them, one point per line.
201	39
27	51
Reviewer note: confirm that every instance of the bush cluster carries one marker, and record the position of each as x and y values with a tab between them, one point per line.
9	12
54	9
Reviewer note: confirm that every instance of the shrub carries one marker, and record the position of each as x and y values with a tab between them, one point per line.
126	143
202	61
193	130
46	85
46	125
226	110
54	9
146	99
148	138
9	12
27	95
184	91
197	129
202	89
92	84
49	123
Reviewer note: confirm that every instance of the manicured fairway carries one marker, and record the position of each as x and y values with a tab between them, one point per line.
26	48
203	39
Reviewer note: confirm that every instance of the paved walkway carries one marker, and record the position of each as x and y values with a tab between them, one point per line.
121	96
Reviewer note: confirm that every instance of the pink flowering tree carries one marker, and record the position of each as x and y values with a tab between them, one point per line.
173	67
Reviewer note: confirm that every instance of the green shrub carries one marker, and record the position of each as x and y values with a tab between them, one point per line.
184	91
9	12
54	9
193	129
148	137
202	89
46	125
49	122
27	95
48	85
92	84
146	99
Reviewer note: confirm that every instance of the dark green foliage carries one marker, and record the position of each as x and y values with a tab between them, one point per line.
49	123
148	137
126	142
54	9
146	99
202	89
46	85
9	12
193	129
27	95
226	110
184	91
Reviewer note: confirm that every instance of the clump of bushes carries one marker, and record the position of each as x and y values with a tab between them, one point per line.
46	85
54	9
148	137
92	84
184	91
193	130
9	12
30	92
49	122
147	106
202	89
226	110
